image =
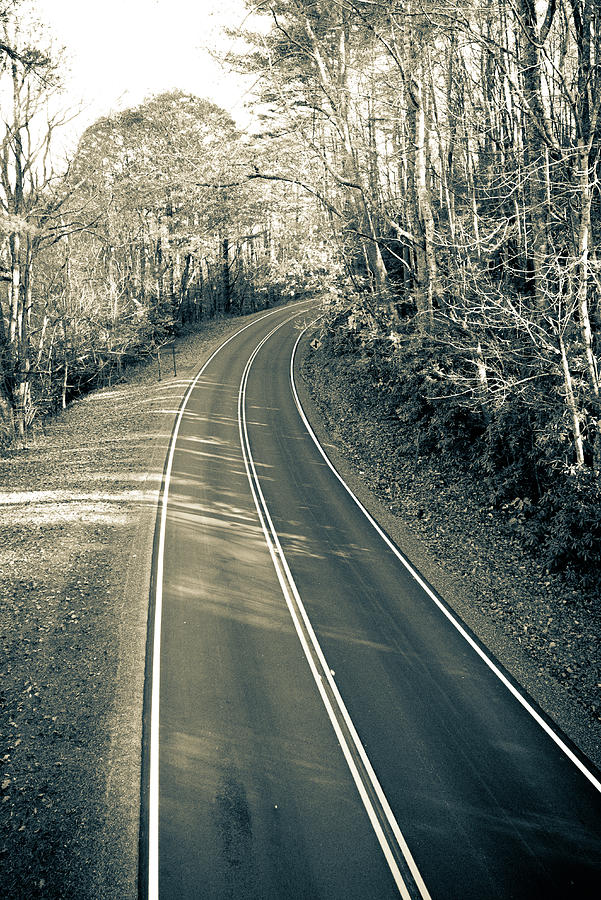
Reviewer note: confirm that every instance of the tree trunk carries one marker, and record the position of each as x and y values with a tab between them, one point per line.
584	235
571	405
14	288
226	290
582	291
425	206
537	133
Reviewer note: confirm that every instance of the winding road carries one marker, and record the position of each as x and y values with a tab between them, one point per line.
318	723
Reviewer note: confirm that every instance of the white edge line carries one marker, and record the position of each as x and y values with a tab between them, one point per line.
415	574
286	580
153	787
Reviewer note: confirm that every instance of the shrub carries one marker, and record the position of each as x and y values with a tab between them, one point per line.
566	528
515	446
508	454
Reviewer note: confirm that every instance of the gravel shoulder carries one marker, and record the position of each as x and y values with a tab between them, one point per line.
543	633
77	515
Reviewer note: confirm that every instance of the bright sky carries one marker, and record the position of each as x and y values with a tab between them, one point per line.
121	51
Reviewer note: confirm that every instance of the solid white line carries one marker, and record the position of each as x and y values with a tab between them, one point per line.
153	790
288	586
415	574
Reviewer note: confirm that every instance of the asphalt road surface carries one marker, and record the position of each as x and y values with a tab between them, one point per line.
318	725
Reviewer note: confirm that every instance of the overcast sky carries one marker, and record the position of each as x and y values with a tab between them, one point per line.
121	51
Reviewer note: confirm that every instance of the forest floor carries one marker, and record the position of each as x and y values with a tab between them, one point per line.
77	513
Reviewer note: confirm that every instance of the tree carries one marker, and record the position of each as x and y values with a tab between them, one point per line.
30	207
310	65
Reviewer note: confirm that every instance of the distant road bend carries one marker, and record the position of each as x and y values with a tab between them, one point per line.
318	723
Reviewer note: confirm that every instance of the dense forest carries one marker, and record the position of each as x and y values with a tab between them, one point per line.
455	148
431	170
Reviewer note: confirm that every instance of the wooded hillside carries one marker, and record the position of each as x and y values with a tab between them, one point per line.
456	150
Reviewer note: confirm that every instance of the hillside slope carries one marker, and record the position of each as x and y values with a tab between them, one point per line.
544	633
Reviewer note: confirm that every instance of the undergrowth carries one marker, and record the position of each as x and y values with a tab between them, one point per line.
510	445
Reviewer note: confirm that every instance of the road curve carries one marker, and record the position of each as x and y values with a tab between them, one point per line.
316	724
